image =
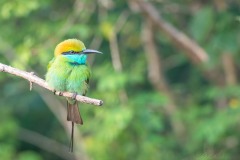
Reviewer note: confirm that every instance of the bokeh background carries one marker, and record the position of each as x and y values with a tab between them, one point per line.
169	79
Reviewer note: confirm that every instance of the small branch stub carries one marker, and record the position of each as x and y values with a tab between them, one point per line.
1	68
31	84
32	78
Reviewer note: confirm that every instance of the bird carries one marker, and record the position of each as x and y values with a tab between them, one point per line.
68	71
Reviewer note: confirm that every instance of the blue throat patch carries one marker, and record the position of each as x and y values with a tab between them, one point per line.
76	59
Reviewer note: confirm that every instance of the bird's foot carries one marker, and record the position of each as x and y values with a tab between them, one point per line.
74	96
57	93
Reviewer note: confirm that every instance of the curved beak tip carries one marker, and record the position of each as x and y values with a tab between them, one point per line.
89	51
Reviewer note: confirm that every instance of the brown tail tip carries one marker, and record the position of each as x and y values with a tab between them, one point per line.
73	113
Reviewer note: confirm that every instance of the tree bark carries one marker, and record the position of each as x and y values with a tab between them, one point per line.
156	77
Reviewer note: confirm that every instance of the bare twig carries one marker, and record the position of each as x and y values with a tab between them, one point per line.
122	19
229	69
34	79
117	64
156	76
192	50
116	61
95	43
115	53
114	48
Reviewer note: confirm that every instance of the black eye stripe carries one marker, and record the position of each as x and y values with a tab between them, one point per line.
71	52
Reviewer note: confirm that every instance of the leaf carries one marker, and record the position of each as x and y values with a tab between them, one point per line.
202	23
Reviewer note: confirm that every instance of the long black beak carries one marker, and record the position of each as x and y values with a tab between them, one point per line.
89	51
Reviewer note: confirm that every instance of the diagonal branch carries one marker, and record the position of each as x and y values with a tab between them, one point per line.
195	53
45	143
156	76
34	79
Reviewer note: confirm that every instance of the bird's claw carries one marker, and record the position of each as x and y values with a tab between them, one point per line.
57	93
74	95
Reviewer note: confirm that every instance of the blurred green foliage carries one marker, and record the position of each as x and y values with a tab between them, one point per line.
133	123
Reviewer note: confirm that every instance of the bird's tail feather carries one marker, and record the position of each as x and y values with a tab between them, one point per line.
71	141
74	116
73	113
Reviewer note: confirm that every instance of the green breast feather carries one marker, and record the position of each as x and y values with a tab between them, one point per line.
64	76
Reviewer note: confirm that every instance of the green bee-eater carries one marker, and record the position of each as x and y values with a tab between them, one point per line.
68	71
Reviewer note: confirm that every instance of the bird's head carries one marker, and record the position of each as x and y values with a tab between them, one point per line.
74	50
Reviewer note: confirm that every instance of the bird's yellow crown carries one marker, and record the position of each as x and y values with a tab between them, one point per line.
69	45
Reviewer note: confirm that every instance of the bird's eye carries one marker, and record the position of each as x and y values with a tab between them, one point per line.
72	52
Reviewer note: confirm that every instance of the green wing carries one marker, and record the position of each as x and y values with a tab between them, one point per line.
87	81
50	63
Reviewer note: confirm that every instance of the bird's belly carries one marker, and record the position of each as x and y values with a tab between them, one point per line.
76	81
